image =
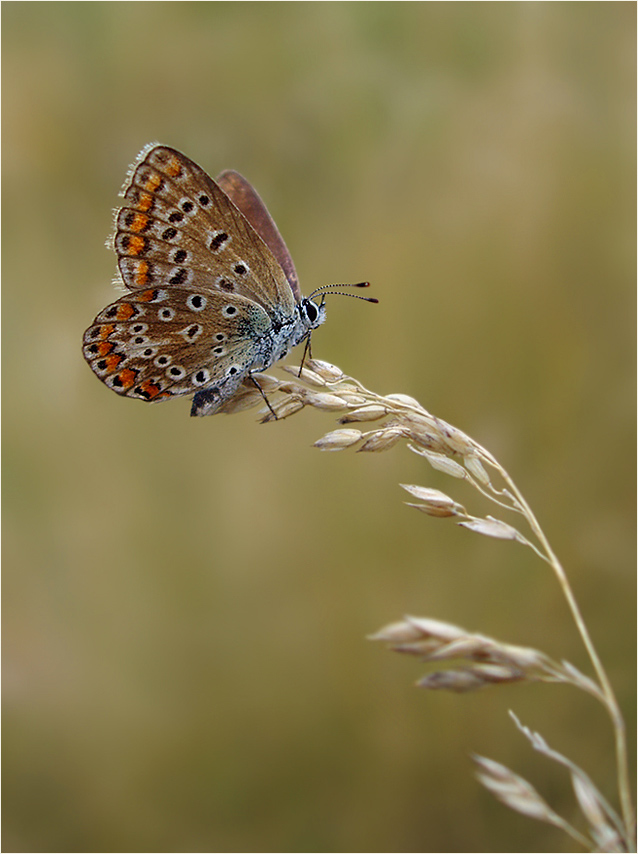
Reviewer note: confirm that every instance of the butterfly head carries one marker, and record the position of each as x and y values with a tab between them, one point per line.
313	314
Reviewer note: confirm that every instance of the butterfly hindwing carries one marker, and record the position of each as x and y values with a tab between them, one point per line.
164	342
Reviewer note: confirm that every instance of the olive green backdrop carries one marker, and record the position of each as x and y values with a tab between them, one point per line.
186	601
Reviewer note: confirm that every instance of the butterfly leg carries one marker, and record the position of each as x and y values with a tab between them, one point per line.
307	351
263	394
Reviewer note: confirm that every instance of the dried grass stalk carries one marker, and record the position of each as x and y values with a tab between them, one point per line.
470	661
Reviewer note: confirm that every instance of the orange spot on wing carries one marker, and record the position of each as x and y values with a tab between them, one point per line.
124	311
140	221
103	348
150	390
141	273
105	331
113	361
135	245
174	168
147	296
153	183
145	202
126	378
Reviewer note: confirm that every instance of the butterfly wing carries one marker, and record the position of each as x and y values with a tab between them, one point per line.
178	228
244	196
159	343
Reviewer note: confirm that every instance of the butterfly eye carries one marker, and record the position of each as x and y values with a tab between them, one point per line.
311	310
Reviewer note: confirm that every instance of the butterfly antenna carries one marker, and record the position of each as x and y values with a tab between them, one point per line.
325	291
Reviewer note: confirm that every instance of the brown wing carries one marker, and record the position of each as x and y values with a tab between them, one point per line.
178	228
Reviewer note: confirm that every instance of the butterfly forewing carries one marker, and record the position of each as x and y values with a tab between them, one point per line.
178	228
244	196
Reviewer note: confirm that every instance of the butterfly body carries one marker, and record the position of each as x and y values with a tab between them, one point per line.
212	291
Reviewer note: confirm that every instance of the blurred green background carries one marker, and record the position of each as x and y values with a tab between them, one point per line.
186	600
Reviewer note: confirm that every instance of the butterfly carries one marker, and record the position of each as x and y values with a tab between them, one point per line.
213	295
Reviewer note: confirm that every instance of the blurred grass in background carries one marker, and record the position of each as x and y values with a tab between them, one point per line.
185	601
